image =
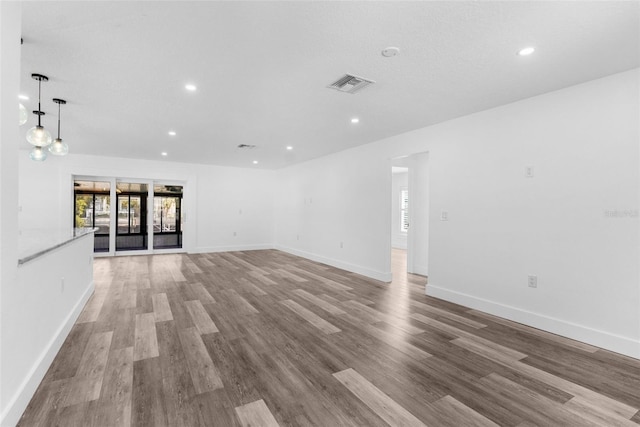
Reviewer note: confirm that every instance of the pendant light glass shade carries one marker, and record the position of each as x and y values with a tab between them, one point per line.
58	148
23	114
39	136
38	154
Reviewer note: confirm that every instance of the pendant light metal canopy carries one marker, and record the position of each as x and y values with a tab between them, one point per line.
38	135
59	148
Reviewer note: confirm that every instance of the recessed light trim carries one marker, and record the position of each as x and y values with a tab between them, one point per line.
390	51
172	133
164	153
355	120
190	87
255	162
526	51
289	147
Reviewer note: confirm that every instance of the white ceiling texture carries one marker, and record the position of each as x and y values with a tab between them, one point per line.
262	70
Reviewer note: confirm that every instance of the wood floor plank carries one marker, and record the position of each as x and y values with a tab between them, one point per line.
201	293
201	318
161	308
453	413
385	407
533	331
256	414
117	388
86	384
94	305
147	406
328	307
252	287
204	374
447	314
310	317
146	341
240	304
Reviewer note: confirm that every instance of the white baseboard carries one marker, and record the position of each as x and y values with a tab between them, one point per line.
27	389
373	274
235	248
616	343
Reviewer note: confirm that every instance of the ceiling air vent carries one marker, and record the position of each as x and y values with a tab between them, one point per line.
246	146
350	84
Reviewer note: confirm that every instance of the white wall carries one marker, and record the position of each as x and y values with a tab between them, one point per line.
336	210
583	144
418	236
399	182
10	31
218	201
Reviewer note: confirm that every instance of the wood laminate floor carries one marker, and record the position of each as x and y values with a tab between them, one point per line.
263	338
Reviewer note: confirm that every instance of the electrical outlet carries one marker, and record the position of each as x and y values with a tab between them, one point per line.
532	281
528	171
444	216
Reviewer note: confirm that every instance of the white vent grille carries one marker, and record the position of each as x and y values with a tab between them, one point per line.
350	83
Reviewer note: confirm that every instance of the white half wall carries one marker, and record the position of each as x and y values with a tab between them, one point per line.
574	224
52	291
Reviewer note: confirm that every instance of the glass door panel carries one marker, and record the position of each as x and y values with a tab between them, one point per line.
167	221
92	209
132	217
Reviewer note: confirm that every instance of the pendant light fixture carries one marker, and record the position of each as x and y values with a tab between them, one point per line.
38	154
59	148
38	135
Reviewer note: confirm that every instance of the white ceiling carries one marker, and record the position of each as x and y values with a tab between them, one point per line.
262	68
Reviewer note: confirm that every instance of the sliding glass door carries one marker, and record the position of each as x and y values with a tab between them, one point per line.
132	216
167	218
127	212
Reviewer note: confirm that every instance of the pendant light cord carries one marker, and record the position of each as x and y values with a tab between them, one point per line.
39	110
58	120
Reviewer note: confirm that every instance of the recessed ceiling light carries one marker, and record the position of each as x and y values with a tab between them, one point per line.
164	153
190	87
289	147
355	120
390	51
255	162
172	133
23	97
526	51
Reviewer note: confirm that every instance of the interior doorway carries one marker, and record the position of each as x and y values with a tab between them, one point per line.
410	214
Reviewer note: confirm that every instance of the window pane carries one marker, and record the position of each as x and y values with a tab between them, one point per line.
84	209
123	214
404	210
134	214
102	209
164	214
